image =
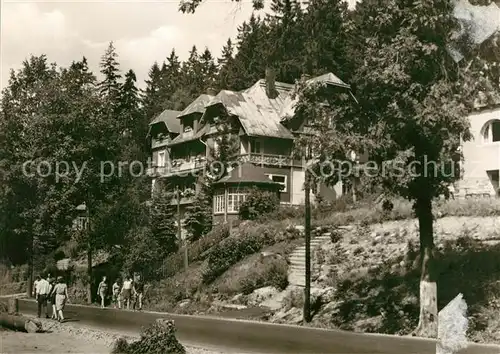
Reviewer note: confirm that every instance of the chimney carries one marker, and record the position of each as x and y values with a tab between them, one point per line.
211	91
271	83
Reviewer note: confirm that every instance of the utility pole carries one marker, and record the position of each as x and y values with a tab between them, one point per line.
307	288
29	288
179	227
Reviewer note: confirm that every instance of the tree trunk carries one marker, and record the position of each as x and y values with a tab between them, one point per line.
428	320
307	227
89	274
20	323
29	287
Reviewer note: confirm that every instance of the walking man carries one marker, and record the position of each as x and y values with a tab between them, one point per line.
139	292
43	290
127	291
35	284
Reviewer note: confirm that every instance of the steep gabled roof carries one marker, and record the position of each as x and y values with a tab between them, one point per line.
197	106
169	118
330	79
259	115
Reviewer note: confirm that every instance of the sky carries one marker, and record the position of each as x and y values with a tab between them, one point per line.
142	31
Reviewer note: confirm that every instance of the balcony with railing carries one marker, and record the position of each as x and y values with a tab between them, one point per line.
178	167
266	159
160	141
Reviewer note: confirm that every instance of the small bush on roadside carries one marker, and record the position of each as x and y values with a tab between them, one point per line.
159	338
258	203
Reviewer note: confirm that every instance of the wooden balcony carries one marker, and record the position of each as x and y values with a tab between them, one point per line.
184	200
266	159
177	167
156	143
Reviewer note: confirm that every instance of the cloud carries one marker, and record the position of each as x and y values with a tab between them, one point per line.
141	52
58	31
26	30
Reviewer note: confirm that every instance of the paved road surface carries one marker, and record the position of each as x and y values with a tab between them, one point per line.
258	337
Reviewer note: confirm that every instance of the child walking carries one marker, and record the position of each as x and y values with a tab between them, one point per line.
102	290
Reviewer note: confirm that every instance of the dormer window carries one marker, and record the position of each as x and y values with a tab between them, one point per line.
491	131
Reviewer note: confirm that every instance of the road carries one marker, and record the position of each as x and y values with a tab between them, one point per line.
257	337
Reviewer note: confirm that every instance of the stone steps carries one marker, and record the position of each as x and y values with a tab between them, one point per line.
297	267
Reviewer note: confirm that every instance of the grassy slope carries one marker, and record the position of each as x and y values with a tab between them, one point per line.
371	268
374	293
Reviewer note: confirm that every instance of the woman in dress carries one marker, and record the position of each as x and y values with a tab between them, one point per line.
52	299
61	291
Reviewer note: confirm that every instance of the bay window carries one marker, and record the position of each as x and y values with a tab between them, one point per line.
219	203
235	197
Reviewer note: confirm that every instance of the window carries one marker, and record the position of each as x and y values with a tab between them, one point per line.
255	146
161	159
491	131
281	179
235	197
218	203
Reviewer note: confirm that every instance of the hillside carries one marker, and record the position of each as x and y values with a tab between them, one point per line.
365	276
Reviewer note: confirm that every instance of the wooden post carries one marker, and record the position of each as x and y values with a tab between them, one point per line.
225	204
307	288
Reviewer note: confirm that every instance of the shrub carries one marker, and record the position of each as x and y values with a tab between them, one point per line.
158	338
163	295
254	273
197	251
258	203
250	239
272	272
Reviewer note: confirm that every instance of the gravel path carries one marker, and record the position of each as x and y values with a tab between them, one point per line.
70	338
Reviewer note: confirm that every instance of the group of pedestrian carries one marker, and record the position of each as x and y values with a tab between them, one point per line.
129	292
51	290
